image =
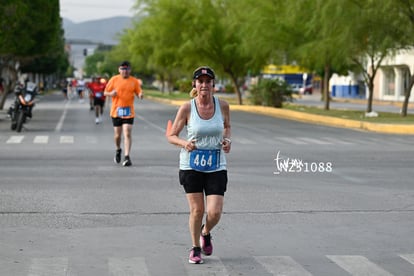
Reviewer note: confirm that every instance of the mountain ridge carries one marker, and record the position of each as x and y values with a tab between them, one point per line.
100	31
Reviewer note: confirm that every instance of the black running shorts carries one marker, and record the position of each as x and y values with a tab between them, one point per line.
212	183
117	122
98	101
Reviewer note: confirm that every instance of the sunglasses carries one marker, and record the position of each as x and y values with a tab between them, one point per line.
124	68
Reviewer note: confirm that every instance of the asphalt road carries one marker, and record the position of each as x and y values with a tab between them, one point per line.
302	199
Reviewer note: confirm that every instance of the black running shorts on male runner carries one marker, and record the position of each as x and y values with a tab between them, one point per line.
117	122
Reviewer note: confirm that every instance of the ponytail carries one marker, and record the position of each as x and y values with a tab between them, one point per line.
193	93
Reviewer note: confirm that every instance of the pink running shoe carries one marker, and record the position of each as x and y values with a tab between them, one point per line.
195	256
206	245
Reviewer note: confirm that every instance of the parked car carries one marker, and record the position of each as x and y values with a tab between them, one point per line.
219	87
295	87
307	90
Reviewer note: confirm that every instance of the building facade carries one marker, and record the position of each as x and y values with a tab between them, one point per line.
390	83
393	77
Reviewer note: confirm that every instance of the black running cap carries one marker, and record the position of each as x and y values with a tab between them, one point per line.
203	70
125	64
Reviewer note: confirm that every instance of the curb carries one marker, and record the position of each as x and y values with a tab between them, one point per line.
311	118
325	120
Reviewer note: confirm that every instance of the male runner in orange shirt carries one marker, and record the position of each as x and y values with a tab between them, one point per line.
122	89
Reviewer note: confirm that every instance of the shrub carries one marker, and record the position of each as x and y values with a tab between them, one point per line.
229	88
270	92
184	85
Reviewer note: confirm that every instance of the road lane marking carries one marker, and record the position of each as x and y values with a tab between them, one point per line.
150	123
291	140
358	265
67	139
127	266
48	266
59	125
213	263
15	139
282	265
408	257
41	139
244	141
314	141
336	141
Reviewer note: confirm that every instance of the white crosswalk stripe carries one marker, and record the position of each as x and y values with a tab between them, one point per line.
315	141
244	141
282	265
358	265
41	140
291	140
15	139
127	266
328	141
48	266
355	265
215	267
336	141
67	139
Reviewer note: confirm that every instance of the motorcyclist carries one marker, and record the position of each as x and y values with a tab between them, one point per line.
20	95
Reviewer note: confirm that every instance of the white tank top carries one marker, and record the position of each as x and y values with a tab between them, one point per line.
207	133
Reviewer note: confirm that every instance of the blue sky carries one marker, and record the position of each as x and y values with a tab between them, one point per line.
84	10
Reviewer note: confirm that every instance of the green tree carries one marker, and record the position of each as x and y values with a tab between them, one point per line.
267	36
403	11
240	37
176	37
12	29
214	38
325	36
47	55
31	38
296	32
321	44
373	38
93	63
162	31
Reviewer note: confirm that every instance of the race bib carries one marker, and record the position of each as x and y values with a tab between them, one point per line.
205	160
124	111
98	94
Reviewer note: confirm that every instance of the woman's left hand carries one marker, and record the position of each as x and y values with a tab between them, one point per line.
226	145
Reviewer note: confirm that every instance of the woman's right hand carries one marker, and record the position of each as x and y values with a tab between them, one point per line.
190	145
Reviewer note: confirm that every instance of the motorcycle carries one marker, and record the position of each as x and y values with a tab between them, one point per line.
23	104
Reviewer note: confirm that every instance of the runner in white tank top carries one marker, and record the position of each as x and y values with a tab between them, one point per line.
203	171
